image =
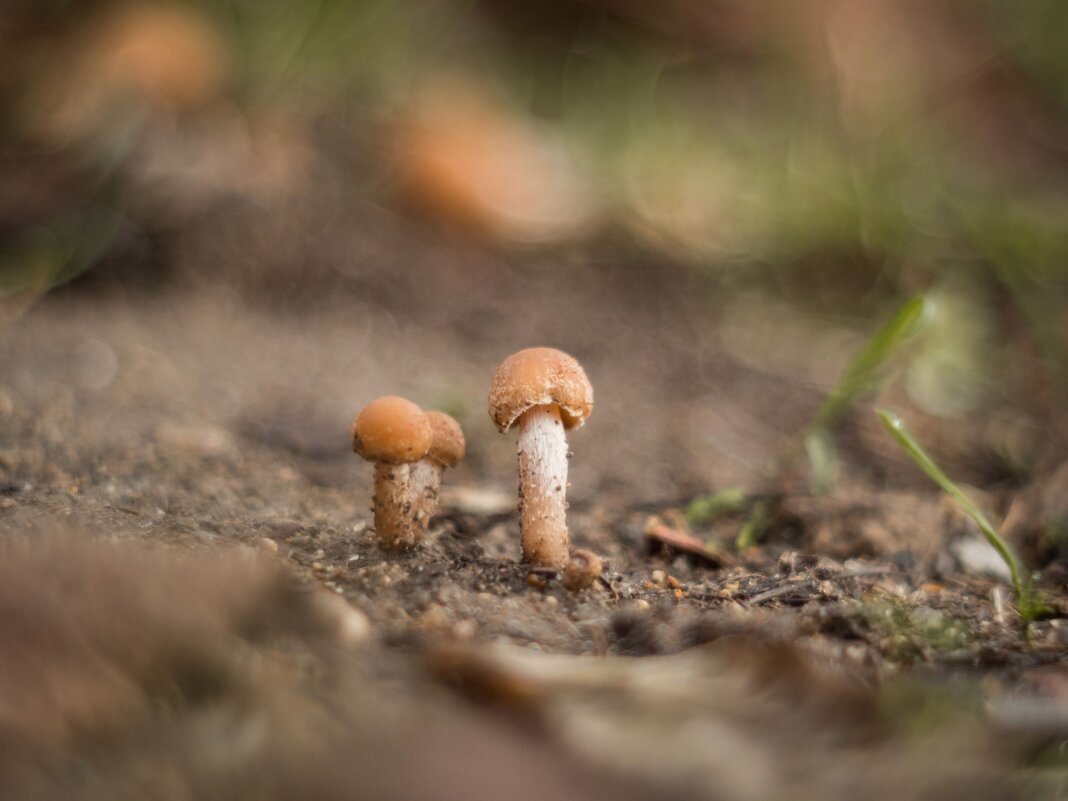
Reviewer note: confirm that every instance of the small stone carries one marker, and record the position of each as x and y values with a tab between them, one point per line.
478	501
435	617
536	581
200	441
978	557
266	544
857	653
464	629
350	625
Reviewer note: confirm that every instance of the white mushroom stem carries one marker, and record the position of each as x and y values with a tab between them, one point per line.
424	486
393	506
543	487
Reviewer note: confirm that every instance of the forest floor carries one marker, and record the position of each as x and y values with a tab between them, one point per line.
181	513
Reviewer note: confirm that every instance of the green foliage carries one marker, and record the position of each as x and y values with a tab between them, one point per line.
753	531
708	507
54	254
910	633
866	371
822	456
1027	600
863	376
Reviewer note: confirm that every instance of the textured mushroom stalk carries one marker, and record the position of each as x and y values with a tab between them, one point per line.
543	487
424	486
393	507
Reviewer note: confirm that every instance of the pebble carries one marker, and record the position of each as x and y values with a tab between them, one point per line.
465	629
536	581
435	617
857	653
351	626
977	557
203	441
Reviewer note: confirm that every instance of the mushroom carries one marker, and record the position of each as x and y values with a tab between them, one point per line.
547	392
446	450
392	432
468	159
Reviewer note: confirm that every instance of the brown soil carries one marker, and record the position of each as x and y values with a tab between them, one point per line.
190	447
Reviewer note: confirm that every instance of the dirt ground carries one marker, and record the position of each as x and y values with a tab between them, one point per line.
181	514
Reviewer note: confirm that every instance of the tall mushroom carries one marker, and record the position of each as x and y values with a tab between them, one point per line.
446	450
547	392
392	432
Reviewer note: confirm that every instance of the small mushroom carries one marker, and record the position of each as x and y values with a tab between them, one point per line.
392	432
547	392
582	570
446	450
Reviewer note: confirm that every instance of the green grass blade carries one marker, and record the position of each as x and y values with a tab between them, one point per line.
755	526
823	456
897	430
708	507
865	370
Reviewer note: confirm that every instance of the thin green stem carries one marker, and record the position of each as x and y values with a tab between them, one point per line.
897	430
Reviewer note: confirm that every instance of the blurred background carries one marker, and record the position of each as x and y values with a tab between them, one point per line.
226	225
271	212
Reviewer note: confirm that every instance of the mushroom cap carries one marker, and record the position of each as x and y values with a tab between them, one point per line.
540	377
448	446
391	430
168	51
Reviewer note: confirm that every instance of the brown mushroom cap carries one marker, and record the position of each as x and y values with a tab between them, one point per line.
540	377
391	430
448	446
